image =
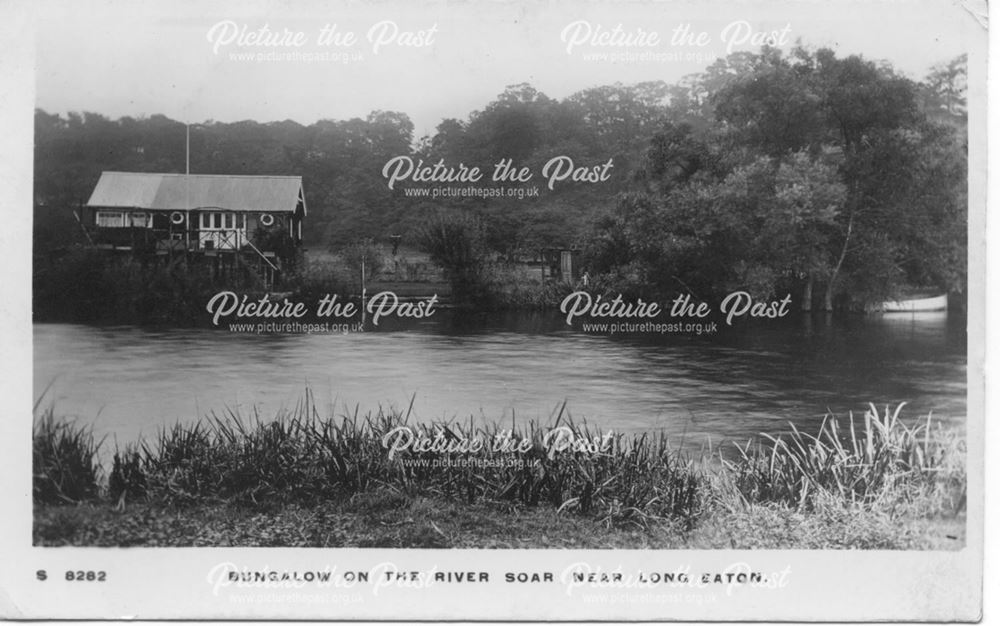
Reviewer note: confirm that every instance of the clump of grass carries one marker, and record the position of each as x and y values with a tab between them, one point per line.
882	463
640	479
127	480
64	461
229	458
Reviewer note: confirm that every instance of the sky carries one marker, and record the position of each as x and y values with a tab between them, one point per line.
435	59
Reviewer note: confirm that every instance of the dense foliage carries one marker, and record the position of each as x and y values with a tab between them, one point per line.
830	177
835	178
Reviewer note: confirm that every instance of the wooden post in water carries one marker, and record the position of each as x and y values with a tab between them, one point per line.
364	295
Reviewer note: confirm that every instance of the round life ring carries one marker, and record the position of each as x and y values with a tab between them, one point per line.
177	218
267	219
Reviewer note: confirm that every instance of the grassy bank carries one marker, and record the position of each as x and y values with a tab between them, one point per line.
299	478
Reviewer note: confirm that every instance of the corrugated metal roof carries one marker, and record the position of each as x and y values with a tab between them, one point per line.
167	192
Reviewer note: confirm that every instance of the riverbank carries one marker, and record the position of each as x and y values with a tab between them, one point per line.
151	292
882	482
393	521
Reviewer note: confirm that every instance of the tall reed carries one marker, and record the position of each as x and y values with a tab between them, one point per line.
880	461
64	462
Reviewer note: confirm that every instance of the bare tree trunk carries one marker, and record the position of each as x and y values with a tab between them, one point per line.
807	294
828	298
828	295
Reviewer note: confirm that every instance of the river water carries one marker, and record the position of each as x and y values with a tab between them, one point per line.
731	385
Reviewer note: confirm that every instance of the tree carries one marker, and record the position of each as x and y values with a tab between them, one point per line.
946	85
816	170
850	106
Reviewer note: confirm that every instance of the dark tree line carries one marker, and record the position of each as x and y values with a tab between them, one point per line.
767	171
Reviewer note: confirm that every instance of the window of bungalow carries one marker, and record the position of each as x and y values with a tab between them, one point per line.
139	219
220	221
110	219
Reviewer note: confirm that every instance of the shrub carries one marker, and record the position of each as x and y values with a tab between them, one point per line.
316	279
457	242
105	288
367	253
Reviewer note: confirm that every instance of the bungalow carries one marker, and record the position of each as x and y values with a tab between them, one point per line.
198	213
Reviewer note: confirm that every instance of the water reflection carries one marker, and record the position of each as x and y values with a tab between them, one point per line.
731	385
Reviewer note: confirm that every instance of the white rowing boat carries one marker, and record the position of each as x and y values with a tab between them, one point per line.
913	305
